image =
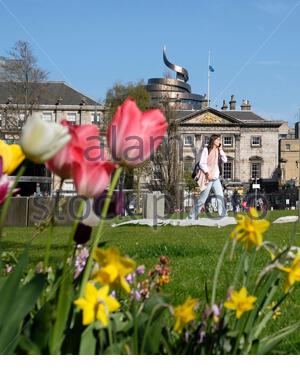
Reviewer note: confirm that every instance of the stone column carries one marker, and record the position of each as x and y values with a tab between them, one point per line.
59	115
237	159
198	144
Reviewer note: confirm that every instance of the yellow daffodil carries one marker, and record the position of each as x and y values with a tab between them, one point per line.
113	268
12	157
184	313
240	302
249	230
96	304
293	273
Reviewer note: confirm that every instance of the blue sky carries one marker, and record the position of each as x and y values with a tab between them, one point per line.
92	44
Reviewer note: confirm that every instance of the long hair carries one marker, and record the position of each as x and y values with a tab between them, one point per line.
212	138
210	146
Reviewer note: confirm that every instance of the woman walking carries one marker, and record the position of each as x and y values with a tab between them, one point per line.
208	176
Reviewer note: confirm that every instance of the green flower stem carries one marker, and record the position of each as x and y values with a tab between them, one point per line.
239	267
156	308
8	199
110	336
99	229
240	327
250	268
48	247
216	275
135	329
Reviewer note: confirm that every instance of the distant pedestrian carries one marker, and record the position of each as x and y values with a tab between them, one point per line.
235	201
208	177
244	206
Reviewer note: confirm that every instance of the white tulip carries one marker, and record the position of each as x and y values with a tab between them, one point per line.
42	140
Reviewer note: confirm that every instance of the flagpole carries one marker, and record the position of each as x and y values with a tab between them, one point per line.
208	80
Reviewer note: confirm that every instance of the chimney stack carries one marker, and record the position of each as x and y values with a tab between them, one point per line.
224	106
232	103
245	106
205	102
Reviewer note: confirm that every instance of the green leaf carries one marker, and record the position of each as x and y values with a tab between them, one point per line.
153	301
118	348
120	323
24	300
257	330
28	347
65	297
264	294
153	340
41	327
10	286
151	333
268	343
88	341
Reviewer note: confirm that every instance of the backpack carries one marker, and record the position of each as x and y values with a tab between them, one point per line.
195	170
197	167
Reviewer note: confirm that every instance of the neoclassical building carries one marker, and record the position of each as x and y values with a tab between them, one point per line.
289	149
250	141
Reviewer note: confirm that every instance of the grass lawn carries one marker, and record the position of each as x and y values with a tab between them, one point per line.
193	252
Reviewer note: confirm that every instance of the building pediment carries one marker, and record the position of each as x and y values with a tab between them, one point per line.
208	116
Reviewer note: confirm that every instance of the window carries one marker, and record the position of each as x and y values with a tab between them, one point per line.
71	117
227	170
95	121
188	140
206	141
287	147
228	141
255	170
188	164
68	186
47	116
256	141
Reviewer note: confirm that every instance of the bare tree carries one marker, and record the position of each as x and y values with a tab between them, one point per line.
167	165
22	76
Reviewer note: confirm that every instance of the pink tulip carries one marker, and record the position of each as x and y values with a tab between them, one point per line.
133	136
4	183
91	178
84	137
4	188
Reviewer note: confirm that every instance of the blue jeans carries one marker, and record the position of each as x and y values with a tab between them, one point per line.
216	186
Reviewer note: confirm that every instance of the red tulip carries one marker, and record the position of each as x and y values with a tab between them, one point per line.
85	137
134	135
91	178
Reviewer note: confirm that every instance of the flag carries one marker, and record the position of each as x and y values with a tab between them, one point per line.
210	68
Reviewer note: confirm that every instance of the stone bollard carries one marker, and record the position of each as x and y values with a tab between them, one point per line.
154	206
